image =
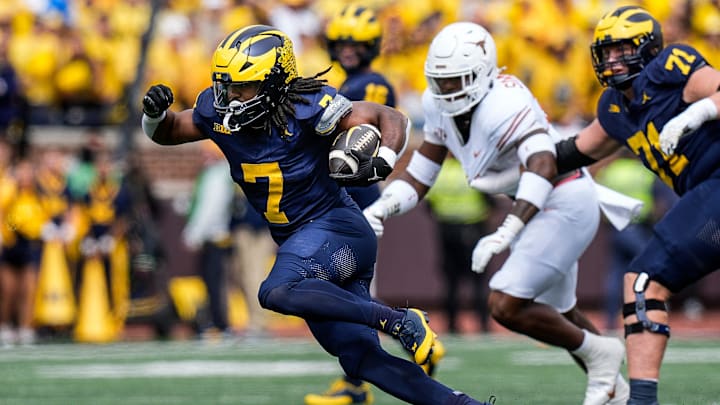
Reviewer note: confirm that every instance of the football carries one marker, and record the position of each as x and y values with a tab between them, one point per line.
363	138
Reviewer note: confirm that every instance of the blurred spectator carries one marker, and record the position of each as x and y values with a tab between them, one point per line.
12	102
254	252
461	213
7	182
55	196
148	276
298	20
106	206
82	170
24	218
77	85
36	55
54	303
706	25
208	231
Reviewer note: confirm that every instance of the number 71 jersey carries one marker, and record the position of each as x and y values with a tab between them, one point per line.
658	92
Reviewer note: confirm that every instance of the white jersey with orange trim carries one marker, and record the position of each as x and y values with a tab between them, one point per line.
508	114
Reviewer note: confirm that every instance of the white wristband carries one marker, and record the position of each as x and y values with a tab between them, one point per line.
535	144
397	198
423	169
388	154
534	189
149	124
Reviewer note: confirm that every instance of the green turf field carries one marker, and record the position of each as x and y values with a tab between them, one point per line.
281	371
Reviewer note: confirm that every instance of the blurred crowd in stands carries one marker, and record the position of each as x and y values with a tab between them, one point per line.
76	59
83	63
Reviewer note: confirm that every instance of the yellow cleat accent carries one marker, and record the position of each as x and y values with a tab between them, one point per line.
436	354
342	392
415	334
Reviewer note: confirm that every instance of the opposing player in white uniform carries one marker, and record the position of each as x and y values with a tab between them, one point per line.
493	125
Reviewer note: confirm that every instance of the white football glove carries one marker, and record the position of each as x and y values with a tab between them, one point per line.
495	243
686	123
397	198
375	217
379	211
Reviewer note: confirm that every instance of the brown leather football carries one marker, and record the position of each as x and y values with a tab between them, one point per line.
363	138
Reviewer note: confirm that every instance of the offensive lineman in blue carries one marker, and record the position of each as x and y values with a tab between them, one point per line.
275	130
661	103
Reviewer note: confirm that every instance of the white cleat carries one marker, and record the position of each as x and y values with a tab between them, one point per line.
603	367
622	392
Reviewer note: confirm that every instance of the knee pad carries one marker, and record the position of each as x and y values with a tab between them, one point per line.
273	298
640	308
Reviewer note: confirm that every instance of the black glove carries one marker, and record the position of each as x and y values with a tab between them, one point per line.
157	99
370	170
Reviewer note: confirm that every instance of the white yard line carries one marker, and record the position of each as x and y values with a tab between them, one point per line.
191	369
672	356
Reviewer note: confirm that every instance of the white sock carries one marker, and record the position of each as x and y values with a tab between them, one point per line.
586	346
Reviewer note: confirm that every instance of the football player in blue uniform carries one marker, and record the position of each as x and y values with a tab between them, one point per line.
662	104
276	130
353	39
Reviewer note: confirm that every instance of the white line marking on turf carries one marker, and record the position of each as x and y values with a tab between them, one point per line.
672	356
191	369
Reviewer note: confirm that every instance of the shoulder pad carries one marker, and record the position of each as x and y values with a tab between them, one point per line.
674	64
336	109
204	104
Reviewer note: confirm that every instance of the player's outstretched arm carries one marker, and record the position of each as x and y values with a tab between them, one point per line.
701	90
411	185
163	126
591	144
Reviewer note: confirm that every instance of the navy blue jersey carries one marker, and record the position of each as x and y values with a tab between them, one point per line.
286	179
658	98
364	195
368	86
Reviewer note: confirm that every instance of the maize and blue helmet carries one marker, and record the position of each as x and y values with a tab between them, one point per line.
259	54
630	25
354	24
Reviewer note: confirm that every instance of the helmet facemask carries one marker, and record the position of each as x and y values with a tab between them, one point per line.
252	113
635	62
458	102
464	51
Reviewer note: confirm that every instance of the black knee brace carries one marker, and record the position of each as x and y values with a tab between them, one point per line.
640	308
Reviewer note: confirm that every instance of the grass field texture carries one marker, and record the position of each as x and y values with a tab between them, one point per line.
281	371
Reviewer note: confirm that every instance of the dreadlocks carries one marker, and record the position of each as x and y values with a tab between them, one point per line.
286	107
